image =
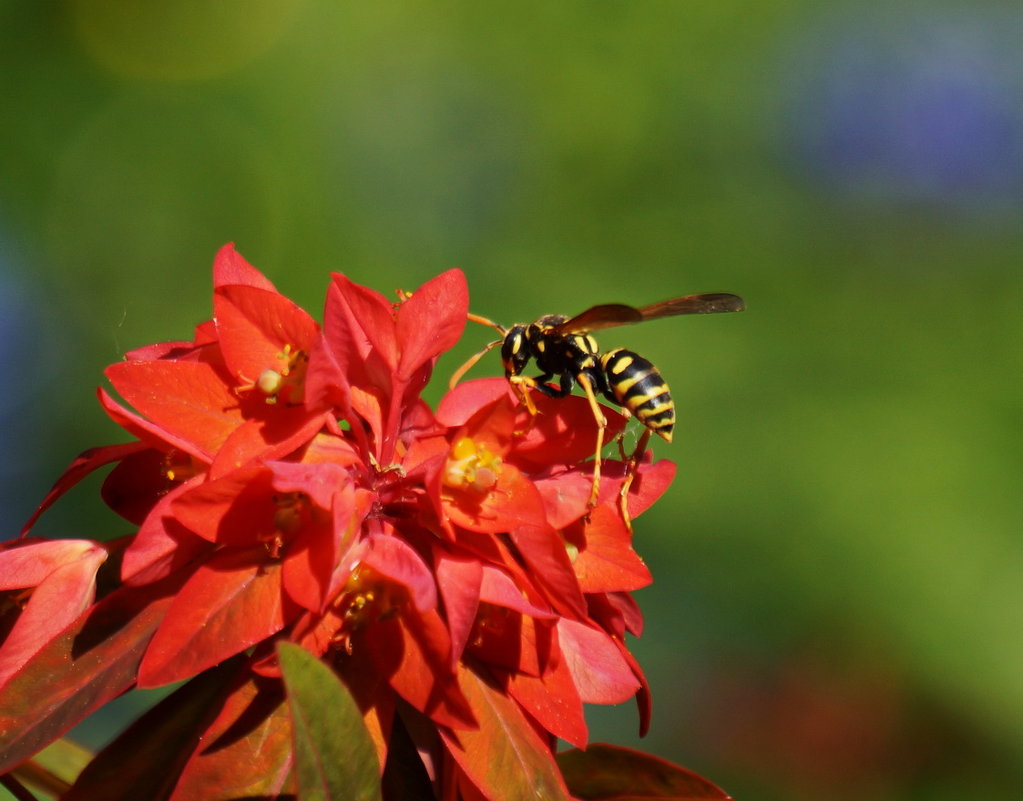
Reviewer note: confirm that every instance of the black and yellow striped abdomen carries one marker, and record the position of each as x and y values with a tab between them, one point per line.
635	384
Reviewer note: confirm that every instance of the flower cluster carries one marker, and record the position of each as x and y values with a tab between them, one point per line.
288	482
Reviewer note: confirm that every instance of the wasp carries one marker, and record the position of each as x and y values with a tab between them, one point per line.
563	348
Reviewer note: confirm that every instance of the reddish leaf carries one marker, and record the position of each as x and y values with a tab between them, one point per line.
599	671
63	574
230	603
554	701
83	464
431	321
146	759
504	758
607	772
335	759
246	752
89	664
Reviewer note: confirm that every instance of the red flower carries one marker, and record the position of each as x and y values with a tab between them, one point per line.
288	483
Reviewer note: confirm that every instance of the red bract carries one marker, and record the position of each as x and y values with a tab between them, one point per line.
288	483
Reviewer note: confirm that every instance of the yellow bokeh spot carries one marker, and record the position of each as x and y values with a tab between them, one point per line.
179	40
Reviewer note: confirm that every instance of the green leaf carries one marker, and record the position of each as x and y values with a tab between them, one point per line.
335	759
606	772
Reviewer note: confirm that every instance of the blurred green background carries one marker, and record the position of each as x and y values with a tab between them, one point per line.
838	568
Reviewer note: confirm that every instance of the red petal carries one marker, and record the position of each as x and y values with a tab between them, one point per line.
229	267
136	483
513	502
319	481
189	400
599	671
162	544
313	555
255	326
284	430
544	553
606	560
357	316
644	702
459	583
148	432
651	481
393	558
229	604
326	383
566	494
467	398
237	509
414	655
431	321
498	588
562	432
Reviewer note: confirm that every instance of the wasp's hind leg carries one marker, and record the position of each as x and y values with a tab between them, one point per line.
631	469
598	417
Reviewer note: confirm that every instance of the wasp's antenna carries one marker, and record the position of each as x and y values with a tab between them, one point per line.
465	368
475	318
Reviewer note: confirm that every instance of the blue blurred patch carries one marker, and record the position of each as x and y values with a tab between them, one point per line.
920	106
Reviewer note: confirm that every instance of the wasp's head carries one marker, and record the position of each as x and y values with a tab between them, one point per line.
515	351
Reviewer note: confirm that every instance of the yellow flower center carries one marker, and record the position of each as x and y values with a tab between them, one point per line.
471	465
287	382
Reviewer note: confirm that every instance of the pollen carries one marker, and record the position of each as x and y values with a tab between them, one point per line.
472	466
179	466
285	381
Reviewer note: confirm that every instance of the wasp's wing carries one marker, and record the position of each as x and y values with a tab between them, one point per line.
597	317
710	303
